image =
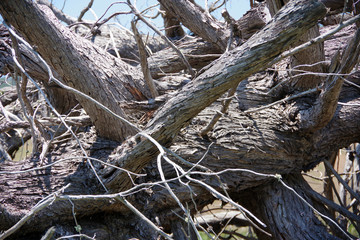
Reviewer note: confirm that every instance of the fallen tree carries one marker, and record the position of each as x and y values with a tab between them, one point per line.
120	179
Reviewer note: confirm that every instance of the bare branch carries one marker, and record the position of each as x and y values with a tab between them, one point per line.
82	13
324	108
183	58
216	79
47	100
58	13
351	191
217	116
37	208
144	62
198	22
8	125
318	39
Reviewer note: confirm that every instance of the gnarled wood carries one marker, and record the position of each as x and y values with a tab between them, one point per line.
266	141
216	79
197	21
81	64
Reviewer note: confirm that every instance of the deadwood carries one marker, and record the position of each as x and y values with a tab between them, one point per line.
278	211
245	150
81	64
215	80
197	21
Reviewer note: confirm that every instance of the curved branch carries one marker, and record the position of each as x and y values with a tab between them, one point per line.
226	72
198	22
324	108
82	65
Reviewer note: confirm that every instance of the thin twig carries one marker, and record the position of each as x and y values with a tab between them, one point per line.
213	6
162	176
313	41
82	13
34	131
113	43
313	90
80	158
351	191
142	216
51	77
80	236
25	105
331	204
77	226
98	24
73	90
314	209
216	117
181	55
32	212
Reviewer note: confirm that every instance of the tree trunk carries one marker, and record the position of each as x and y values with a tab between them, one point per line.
81	64
245	152
286	215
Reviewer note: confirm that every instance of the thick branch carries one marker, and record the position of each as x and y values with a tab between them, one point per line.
324	108
58	13
280	206
198	53
198	22
226	72
82	65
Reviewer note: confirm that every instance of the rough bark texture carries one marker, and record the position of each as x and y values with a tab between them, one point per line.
215	80
269	141
123	40
309	60
277	203
198	53
81	64
200	23
173	29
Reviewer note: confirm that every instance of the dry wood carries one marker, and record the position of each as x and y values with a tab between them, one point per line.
144	62
82	65
324	108
217	78
198	53
198	22
172	25
268	141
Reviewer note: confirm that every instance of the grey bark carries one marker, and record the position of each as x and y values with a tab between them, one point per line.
215	80
82	65
197	21
268	141
173	29
277	211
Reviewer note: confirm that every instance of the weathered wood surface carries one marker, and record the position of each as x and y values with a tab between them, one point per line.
215	80
267	141
81	64
198	53
197	21
239	141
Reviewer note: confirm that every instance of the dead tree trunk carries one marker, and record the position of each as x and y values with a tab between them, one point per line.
247	149
112	80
